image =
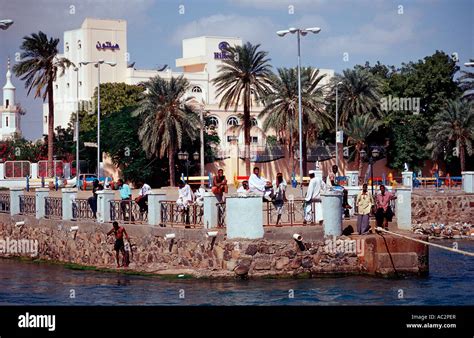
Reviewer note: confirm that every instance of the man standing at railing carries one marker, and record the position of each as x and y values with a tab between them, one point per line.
185	198
142	198
126	196
257	183
384	212
313	196
96	186
119	245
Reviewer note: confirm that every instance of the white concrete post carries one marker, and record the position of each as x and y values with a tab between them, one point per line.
2	171
103	205
34	170
403	208
319	173
332	215
68	198
210	210
408	179
468	181
15	194
154	207
40	194
353	178
244	217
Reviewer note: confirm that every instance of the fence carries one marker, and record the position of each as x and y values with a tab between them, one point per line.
127	211
5	203
220	214
53	207
292	213
28	205
173	214
17	169
81	209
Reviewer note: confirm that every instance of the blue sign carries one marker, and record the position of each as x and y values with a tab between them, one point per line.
223	54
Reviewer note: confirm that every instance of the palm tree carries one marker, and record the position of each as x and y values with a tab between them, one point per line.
281	107
466	83
454	124
39	68
358	129
165	119
244	73
359	93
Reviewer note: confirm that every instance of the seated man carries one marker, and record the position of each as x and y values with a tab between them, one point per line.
257	183
244	189
185	198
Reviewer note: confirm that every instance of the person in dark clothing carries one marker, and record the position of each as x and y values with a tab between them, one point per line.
119	245
96	186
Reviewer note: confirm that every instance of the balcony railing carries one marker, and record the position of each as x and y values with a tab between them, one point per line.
127	211
5	203
28	205
220	214
263	153
53	207
292	213
172	214
81	209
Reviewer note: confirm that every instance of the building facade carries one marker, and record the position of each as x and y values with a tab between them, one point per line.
10	111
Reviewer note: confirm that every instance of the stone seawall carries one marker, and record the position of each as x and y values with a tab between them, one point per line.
442	208
277	255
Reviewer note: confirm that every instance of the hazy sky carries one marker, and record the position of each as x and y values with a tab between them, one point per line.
368	30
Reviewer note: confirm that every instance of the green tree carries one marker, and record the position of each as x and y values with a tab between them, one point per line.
165	118
281	107
116	96
358	130
39	68
245	73
453	125
466	84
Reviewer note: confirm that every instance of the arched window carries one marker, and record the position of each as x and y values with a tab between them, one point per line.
212	122
233	121
67	47
79	44
196	89
253	122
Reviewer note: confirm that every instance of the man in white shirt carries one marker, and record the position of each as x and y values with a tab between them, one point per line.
244	189
313	197
186	197
257	183
142	198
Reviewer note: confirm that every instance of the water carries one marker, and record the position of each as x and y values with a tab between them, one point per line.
449	283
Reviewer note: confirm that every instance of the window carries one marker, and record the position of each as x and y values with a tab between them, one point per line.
46	119
56	87
80	83
213	122
6	121
254	139
231	138
232	121
196	89
253	122
7	103
79	44
67	84
67	47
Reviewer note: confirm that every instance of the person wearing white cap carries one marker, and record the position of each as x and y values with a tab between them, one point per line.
313	196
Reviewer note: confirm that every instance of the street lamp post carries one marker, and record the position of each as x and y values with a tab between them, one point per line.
184	156
201	135
299	32
372	156
337	120
97	65
76	69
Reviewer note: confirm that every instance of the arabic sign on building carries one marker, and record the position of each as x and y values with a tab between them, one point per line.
223	54
107	45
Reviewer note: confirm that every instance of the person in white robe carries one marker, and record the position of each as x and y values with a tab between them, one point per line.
257	183
313	196
185	196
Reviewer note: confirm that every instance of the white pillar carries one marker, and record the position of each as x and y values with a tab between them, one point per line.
352	178
403	208
15	194
34	170
244	217
154	207
2	171
407	179
332	214
40	194
68	197
103	205
468	181
210	210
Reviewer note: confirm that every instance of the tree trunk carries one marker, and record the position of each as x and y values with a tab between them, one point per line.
462	157
50	129
247	127
304	149
360	164
171	166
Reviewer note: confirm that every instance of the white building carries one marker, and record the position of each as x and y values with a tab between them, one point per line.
10	111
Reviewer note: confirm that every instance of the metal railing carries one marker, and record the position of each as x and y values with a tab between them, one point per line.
28	205
81	209
5	203
172	214
220	214
53	207
127	211
264	153
292	213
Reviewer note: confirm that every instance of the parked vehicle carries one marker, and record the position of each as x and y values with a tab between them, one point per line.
86	180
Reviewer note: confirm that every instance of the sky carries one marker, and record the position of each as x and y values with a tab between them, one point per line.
352	31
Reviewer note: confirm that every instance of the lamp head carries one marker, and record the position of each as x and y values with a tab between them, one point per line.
282	32
314	30
293	30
